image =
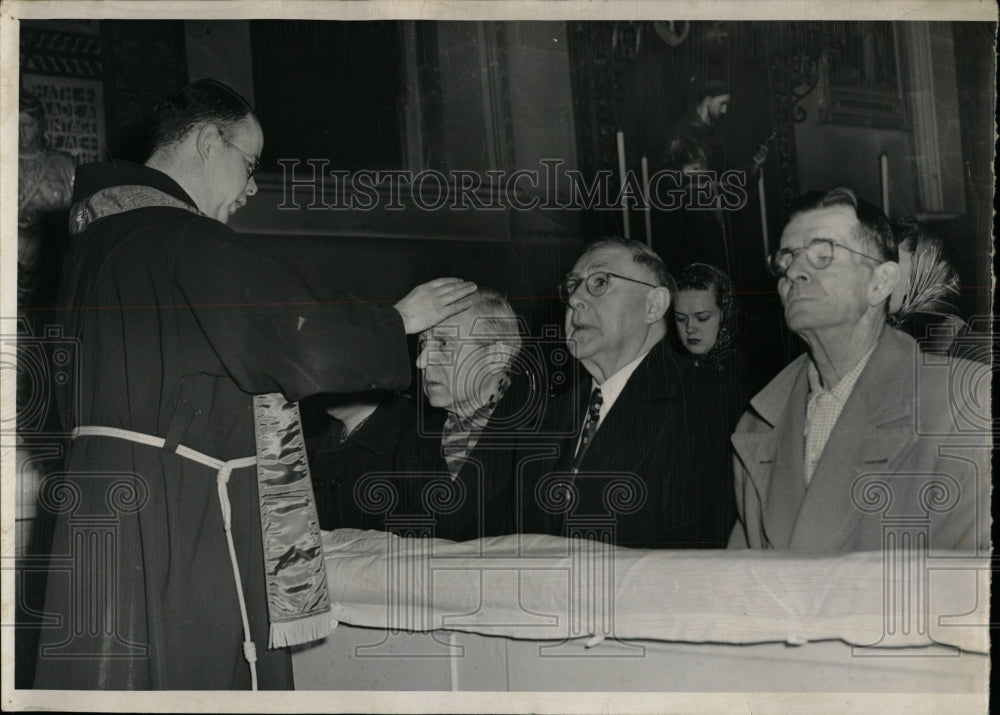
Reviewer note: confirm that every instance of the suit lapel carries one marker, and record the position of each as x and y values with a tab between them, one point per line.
571	411
627	434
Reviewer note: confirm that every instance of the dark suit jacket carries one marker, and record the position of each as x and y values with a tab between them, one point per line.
391	474
338	467
640	482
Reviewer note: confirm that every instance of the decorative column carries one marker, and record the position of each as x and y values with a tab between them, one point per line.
906	536
91	563
408	580
592	564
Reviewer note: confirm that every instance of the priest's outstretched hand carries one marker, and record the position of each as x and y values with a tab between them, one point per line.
430	303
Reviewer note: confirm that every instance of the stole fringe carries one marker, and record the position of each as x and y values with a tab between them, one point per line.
301	630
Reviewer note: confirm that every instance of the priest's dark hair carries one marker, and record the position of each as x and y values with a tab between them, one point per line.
203	102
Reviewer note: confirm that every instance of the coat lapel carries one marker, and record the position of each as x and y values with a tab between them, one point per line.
773	457
755	452
787	488
874	427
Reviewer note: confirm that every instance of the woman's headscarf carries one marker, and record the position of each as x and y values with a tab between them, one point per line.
702	276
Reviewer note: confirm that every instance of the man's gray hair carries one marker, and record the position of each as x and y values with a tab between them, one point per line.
641	255
495	319
874	229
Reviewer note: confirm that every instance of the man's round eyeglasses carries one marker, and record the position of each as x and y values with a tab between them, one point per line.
597	284
819	253
254	161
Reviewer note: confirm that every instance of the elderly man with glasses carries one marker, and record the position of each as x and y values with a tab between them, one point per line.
187	496
626	472
862	441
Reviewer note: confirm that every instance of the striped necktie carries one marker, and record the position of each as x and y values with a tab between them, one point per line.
589	426
460	435
454	444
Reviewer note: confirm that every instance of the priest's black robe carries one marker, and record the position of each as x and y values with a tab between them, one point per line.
175	325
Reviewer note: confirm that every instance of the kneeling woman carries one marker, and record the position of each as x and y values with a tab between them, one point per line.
705	316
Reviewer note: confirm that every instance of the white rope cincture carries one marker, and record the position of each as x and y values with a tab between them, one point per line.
249	649
223	470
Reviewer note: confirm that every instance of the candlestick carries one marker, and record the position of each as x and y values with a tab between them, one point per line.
621	176
883	161
763	215
647	210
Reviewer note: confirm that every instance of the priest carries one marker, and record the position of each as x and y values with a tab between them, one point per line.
186	552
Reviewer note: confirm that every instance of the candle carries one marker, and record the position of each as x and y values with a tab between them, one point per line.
647	210
621	176
763	215
883	161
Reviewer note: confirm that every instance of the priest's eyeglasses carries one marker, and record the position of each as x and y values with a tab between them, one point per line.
597	284
254	161
819	253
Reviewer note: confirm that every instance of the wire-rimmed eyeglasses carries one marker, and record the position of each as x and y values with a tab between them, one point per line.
819	253
254	161
597	284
